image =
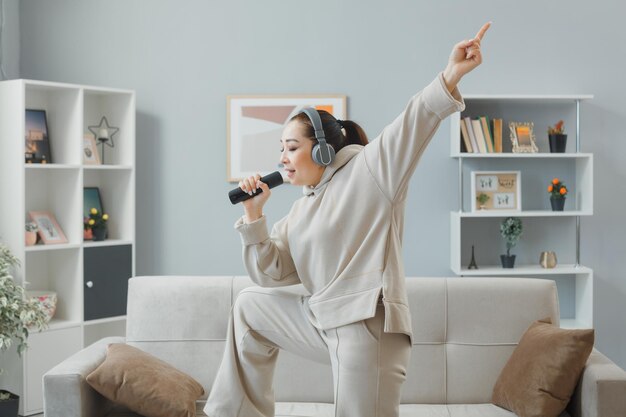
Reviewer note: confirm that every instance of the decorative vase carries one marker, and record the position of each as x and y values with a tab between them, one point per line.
87	234
8	408
508	261
99	233
548	259
30	238
557	203
557	142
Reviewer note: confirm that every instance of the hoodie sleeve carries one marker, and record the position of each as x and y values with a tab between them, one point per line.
392	157
267	258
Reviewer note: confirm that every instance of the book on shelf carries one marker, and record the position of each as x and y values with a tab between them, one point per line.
484	121
497	135
478	134
470	132
466	138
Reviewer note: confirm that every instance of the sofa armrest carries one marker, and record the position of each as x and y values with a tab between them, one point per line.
601	391
65	389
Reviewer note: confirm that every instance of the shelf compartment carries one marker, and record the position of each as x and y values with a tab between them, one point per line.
117	194
63	111
57	191
118	106
536	174
59	271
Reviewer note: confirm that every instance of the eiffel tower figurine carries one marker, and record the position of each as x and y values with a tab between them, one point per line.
472	264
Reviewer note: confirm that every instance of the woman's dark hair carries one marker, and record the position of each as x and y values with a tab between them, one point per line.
332	129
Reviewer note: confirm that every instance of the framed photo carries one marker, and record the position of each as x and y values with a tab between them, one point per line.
496	190
37	142
523	138
255	125
48	228
91	156
91	199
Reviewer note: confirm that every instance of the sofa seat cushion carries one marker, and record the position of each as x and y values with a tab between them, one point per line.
287	409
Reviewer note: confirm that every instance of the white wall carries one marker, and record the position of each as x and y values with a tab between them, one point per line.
184	58
10	46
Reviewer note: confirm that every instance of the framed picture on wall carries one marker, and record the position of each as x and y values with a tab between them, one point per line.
255	125
91	156
37	142
496	190
48	228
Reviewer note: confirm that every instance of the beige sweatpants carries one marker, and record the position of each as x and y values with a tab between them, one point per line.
369	366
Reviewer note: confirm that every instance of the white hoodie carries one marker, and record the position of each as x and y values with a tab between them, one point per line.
343	239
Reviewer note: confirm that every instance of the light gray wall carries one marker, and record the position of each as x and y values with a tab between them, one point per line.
10	58
184	58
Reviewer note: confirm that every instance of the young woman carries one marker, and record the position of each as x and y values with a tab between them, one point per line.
343	241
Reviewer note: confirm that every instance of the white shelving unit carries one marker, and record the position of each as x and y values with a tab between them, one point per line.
57	187
543	228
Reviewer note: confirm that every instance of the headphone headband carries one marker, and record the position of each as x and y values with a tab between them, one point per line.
323	154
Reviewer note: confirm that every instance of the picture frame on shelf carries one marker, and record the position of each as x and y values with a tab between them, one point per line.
496	190
523	138
37	140
91	199
91	156
48	228
255	125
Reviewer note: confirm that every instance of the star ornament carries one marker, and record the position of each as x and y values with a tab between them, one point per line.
103	132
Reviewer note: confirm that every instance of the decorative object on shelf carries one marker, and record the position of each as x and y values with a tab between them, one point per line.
482	199
104	134
49	230
472	264
523	138
254	123
503	190
511	231
37	149
557	191
97	222
91	156
557	138
48	300
30	236
547	260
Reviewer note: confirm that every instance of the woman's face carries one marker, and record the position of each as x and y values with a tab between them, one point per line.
295	155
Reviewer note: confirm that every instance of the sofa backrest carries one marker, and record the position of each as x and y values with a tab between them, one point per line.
464	330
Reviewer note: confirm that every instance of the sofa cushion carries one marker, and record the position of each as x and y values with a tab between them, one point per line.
144	383
541	374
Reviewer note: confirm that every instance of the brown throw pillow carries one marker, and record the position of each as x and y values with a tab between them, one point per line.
542	373
145	384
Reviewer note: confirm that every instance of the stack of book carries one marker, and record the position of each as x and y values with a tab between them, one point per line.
480	135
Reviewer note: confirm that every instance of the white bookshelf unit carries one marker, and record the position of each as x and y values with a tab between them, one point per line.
544	229
90	278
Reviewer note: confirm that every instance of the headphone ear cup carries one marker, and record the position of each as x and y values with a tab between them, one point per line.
316	154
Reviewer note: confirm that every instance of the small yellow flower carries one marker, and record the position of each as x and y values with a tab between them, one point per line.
92	222
105	217
93	210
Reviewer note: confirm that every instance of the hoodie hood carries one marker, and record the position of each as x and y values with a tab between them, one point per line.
341	158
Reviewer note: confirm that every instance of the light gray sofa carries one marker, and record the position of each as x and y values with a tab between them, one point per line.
465	329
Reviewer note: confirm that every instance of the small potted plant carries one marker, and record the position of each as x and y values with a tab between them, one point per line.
30	237
97	223
18	315
557	138
482	199
557	191
511	230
